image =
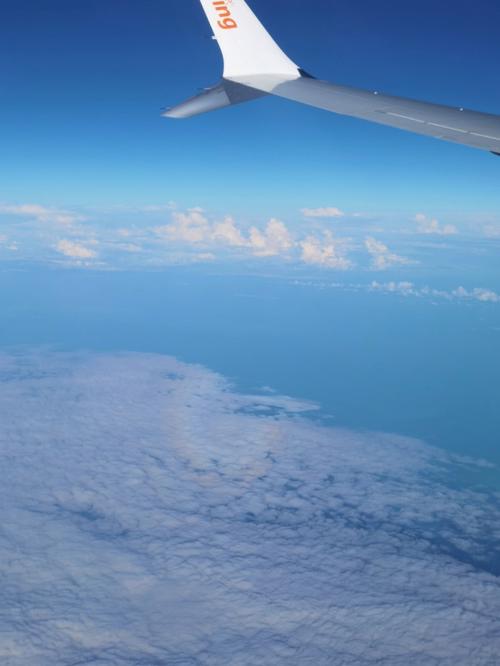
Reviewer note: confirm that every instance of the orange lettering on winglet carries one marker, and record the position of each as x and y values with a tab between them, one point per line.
226	21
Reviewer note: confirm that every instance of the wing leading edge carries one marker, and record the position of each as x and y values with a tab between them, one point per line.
254	66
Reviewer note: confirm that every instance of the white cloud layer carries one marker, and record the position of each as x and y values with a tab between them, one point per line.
152	516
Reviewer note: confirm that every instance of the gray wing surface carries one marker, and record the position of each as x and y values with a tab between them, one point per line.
471	128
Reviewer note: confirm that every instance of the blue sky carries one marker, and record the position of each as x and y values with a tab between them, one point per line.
84	83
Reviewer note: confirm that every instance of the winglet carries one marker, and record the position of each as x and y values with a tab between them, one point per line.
247	48
250	54
225	94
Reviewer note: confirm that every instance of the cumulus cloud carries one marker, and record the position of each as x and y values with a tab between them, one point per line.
150	515
427	225
274	240
75	250
194	227
227	232
478	294
326	251
191	226
322	212
382	257
41	214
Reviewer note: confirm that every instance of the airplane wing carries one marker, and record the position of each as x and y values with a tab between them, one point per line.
254	65
471	128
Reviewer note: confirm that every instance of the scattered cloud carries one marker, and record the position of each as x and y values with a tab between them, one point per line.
42	214
492	231
194	227
159	208
326	251
179	522
75	250
409	289
460	293
382	257
402	288
427	225
12	246
477	294
179	258
322	212
155	235
129	247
